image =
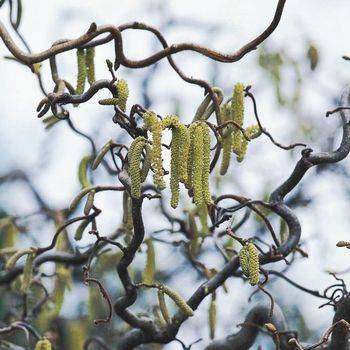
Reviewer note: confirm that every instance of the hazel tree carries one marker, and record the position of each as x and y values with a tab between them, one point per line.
217	140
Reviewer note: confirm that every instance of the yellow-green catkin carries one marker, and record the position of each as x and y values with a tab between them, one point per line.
197	172
244	260
175	168
313	56
127	214
163	308
80	229
154	125
43	344
237	110
189	182
81	71
28	272
206	164
202	212
134	158
150	268
11	262
227	138
178	300
99	157
184	152
252	132
122	93
89	202
63	281
8	232
193	230
253	264
83	171
90	64
212	318
76	336
147	161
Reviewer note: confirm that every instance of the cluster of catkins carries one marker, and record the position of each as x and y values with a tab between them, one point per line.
190	158
233	139
249	261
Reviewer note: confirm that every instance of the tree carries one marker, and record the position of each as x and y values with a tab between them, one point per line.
196	217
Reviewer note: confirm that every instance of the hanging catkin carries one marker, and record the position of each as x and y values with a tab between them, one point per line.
178	300
206	164
28	272
197	165
227	138
83	170
212	317
154	125
237	110
253	264
122	93
90	64
81	77
134	158
163	307
43	344
150	268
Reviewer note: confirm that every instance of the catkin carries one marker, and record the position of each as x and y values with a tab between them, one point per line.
134	158
100	155
112	101
43	344
206	164
227	138
127	214
80	230
78	198
197	171
184	152
82	172
154	125
122	93
11	262
253	264
237	110
81	71
90	64
178	300
163	307
89	202
28	272
252	132
193	229
313	56
244	260
175	168
191	130
146	166
212	318
150	268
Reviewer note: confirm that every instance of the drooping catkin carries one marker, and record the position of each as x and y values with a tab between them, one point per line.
63	281
150	268
83	171
212	318
197	172
313	56
244	260
89	202
184	152
227	138
253	264
237	110
163	308
78	198
252	132
154	125
134	158
122	93
178	300
11	262
146	165
43	344
193	230
175	168
90	64
127	214
189	182
206	164
81	77
28	272
80	230
100	155
202	212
